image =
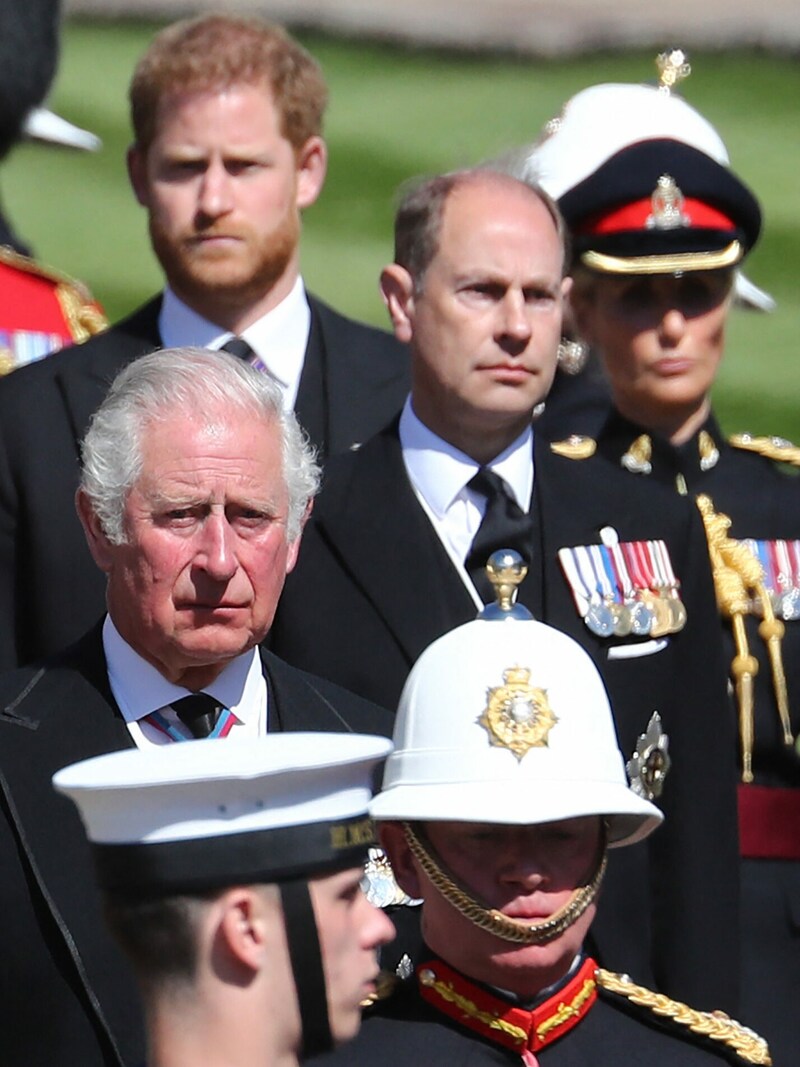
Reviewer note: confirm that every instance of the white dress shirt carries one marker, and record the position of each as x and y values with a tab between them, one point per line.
439	475
140	689
279	338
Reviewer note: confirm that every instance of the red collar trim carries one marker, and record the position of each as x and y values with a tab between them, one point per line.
512	1027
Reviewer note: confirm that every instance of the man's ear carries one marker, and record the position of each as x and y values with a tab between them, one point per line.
242	929
312	166
394	844
96	538
136	160
397	290
294	546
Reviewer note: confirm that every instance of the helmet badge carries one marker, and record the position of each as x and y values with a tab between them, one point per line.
517	715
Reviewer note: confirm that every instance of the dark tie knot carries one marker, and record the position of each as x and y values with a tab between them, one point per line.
489	484
199	713
237	346
504	525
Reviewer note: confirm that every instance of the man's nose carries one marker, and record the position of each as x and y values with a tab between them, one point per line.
215	196
378	927
216	550
524	872
515	321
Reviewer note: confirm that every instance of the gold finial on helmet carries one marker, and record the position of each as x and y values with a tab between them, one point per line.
673	67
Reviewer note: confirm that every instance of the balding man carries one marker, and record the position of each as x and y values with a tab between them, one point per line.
395	553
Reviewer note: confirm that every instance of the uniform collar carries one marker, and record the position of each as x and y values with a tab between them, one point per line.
645	454
501	1022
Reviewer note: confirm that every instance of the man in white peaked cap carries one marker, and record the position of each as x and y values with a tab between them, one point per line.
499	805
232	880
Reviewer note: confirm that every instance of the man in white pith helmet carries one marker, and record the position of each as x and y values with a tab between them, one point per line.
503	795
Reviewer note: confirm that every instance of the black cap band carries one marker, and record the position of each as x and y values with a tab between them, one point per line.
263	856
722	214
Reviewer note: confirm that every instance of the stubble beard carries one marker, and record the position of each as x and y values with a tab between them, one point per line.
218	282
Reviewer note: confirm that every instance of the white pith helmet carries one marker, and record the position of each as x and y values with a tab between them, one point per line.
602	120
509	723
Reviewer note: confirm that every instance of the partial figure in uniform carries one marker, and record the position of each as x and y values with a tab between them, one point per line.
395	551
591	127
504	794
228	152
659	232
41	310
231	878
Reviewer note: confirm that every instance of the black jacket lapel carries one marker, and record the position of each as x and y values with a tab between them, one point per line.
395	557
62	718
311	405
85	390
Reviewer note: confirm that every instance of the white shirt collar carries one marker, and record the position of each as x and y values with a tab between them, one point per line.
139	688
278	338
440	472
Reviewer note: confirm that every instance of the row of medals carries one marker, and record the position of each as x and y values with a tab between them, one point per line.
620	605
782	589
645	613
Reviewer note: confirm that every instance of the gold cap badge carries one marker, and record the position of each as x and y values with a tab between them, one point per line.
518	715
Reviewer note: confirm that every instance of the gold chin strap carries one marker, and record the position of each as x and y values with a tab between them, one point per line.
518	931
736	570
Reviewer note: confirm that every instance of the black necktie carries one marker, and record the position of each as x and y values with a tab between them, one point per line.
504	525
237	346
198	713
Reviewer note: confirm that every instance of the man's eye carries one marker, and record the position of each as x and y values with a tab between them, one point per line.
241	166
539	296
249	519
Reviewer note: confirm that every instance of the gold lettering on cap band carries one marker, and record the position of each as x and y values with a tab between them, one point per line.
352	835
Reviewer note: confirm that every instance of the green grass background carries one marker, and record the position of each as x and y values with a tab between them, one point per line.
396	113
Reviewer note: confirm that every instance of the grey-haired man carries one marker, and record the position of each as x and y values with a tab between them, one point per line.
195	488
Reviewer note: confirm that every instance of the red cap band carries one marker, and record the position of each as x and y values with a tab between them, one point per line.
634	217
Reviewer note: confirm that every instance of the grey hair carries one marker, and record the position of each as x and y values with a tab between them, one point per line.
151	389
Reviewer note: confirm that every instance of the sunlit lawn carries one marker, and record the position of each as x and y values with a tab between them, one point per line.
395	114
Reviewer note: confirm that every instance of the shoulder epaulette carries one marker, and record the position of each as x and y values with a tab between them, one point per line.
83	315
715	1026
576	446
777	448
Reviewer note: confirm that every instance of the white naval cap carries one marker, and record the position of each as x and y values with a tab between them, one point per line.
509	723
602	120
186	817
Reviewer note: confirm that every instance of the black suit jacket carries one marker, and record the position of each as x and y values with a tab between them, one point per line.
66	995
373	587
354	379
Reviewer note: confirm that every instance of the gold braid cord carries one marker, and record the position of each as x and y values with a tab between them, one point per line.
83	316
517	931
736	570
716	1026
775	448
